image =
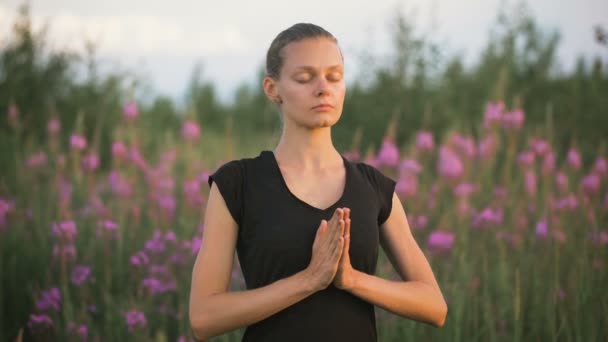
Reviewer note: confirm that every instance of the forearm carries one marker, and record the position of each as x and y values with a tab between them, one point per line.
412	299
220	313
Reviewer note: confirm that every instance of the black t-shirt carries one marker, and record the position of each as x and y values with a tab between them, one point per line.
275	238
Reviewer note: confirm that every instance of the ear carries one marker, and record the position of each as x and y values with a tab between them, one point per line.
270	88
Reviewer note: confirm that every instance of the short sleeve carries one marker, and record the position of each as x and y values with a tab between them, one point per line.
229	180
384	187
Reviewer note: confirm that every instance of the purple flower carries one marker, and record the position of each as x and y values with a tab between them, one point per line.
574	159
109	225
191	131
424	141
13	113
139	259
78	142
600	238
130	111
80	274
389	153
65	230
566	203
79	330
49	300
449	164
64	251
441	240
37	321
135	319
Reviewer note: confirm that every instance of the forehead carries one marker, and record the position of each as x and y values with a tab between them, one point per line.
312	52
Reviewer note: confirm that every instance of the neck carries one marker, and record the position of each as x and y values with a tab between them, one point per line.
306	148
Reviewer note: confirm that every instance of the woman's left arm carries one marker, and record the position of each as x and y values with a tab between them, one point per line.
418	295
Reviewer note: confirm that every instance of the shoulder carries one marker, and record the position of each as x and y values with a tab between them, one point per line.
373	175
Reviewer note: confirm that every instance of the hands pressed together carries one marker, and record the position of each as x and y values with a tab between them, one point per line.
330	262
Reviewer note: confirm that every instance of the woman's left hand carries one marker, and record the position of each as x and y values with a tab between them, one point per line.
344	278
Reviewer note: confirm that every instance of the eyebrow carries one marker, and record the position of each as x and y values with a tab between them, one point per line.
310	68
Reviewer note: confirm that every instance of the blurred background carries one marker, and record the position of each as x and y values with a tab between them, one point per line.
492	116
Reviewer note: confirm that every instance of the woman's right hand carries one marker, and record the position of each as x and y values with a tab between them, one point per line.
327	250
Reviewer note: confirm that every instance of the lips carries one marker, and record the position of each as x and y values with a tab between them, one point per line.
323	106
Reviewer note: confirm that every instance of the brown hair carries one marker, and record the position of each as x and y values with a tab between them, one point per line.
296	33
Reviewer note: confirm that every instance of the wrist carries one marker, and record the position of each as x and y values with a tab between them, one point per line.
310	282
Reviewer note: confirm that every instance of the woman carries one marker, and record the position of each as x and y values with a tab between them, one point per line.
306	222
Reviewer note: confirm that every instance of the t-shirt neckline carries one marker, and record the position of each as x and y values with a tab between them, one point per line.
277	169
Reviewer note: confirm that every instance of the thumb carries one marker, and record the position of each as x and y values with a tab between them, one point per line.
322	227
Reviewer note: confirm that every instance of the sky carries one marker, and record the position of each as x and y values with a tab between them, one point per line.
162	41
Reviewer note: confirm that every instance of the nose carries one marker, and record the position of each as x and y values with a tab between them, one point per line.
322	88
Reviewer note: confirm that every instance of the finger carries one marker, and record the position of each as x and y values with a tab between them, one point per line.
347	240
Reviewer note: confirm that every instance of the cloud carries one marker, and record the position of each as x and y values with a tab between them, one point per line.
128	35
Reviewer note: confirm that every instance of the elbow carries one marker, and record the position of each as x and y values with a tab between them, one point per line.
441	316
198	327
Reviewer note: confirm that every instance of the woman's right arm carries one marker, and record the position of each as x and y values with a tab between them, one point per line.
214	311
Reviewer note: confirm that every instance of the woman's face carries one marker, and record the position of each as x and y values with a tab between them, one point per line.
311	84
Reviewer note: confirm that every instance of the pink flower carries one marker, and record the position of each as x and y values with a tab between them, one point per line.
80	275
601	166
487	146
513	120
574	159
530	182
591	184
191	131
410	166
493	114
352	156
78	142
449	165
465	145
53	126
526	159
13	114
135	319
441	240
424	141
562	181
540	146
487	218
464	190
407	186
548	163
119	150
389	153
90	162
130	111
542	228
37	160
